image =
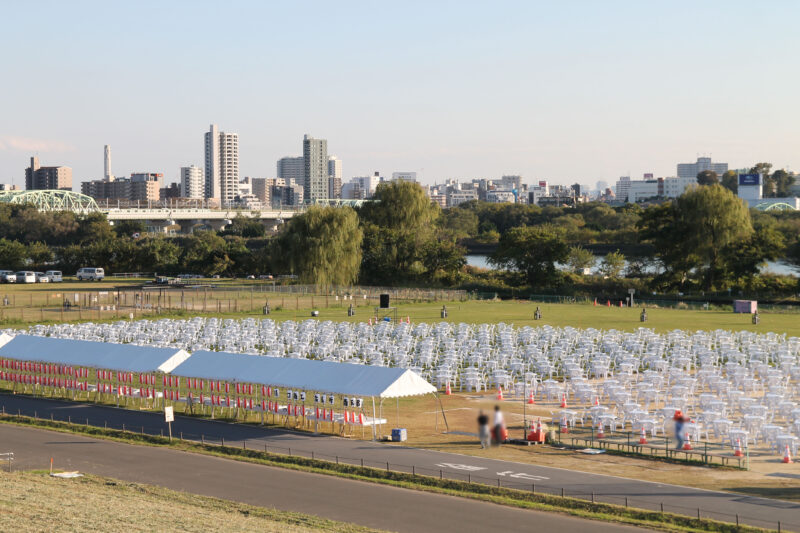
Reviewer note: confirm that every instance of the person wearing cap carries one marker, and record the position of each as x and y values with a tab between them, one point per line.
679	435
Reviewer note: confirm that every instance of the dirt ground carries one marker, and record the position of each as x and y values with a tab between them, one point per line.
768	475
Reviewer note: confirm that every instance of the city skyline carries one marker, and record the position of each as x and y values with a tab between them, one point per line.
581	92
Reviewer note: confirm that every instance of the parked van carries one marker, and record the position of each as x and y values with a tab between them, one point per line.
8	276
26	276
41	277
91	274
54	275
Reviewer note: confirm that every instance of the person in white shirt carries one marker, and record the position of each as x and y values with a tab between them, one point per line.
499	425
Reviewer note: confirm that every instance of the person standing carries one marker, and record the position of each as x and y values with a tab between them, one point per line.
680	420
499	426
483	429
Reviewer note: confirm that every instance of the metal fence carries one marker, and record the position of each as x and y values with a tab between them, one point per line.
529	485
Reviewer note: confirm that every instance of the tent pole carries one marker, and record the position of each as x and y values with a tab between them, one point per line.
398	411
373	417
446	425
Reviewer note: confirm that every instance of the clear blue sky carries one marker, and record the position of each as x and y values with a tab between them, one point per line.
563	91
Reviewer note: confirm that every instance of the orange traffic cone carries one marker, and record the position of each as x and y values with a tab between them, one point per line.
499	393
737	450
564	401
608	303
595	302
600	434
564	426
688	444
597	400
530	399
787	456
643	438
447	390
620	303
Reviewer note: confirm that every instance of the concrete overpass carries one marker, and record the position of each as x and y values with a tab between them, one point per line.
188	218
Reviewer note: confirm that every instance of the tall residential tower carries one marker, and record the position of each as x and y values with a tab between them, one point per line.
315	156
222	165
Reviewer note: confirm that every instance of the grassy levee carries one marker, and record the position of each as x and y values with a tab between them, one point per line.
505	496
34	501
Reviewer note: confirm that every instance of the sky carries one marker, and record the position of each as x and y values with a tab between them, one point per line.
564	91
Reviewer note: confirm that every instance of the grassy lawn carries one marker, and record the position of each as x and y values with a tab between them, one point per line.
34	501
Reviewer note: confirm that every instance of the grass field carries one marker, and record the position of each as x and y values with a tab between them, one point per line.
34	501
41	303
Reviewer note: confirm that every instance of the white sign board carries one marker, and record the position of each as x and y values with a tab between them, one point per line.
169	414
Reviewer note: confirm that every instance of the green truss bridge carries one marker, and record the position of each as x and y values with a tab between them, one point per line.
51	200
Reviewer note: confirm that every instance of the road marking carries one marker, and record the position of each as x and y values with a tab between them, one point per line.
456	466
522	475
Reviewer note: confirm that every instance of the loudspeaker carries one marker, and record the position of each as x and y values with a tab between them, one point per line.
384	301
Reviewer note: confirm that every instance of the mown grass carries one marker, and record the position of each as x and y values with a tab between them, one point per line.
34	501
499	495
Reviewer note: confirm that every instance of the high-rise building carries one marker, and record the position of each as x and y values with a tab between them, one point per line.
623	188
107	175
334	167
315	156
38	177
691	170
222	165
192	183
292	169
262	189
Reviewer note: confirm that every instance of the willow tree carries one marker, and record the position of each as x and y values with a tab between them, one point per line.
714	219
323	246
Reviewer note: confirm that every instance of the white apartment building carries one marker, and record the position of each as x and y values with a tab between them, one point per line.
500	197
222	165
459	197
691	170
192	183
623	186
674	187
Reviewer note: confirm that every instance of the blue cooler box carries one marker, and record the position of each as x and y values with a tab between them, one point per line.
399	435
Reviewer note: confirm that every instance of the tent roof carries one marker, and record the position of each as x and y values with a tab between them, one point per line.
320	376
121	357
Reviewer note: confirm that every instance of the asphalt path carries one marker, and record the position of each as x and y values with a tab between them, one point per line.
762	512
367	504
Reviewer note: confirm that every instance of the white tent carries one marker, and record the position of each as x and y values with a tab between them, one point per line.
306	374
119	357
4	338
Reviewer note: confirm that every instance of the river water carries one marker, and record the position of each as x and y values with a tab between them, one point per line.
774	267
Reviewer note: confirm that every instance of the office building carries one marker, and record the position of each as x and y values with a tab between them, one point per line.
192	182
691	170
222	165
292	169
334	167
262	189
38	177
315	158
289	195
404	176
334	187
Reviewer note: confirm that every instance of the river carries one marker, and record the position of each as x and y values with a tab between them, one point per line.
773	267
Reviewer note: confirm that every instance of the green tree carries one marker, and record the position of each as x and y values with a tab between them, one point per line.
707	177
443	260
744	258
716	219
12	254
533	251
612	265
39	254
400	205
460	223
126	228
782	182
245	227
580	258
730	180
765	170
323	246
206	252
157	254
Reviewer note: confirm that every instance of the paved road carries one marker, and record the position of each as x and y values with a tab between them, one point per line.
761	512
327	496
